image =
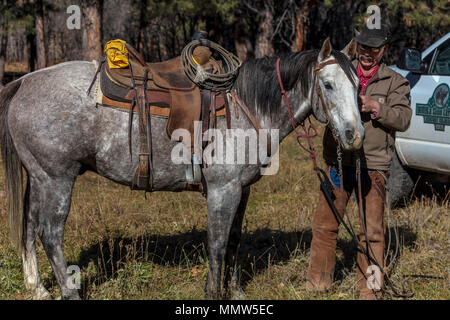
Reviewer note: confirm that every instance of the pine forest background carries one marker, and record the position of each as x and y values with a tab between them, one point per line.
34	33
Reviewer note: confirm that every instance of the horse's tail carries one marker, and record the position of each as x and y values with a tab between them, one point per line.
13	168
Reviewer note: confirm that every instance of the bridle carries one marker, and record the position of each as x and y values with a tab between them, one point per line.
317	68
309	132
325	183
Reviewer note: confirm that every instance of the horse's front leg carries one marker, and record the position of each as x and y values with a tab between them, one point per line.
222	202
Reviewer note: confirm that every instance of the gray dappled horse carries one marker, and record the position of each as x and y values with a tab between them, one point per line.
54	130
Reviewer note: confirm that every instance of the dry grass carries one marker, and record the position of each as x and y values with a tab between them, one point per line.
129	247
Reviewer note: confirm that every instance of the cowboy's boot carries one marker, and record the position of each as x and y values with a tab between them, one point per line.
370	280
323	246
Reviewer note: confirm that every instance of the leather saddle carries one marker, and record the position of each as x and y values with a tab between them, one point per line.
167	86
161	89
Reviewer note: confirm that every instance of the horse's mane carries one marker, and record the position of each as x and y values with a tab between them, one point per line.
257	83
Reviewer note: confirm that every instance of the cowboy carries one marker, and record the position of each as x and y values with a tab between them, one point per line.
385	108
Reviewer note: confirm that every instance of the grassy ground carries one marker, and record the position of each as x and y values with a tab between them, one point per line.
130	247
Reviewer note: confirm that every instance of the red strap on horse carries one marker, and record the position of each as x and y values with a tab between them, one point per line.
306	131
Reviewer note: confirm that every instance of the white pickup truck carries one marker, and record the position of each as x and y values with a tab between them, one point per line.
424	149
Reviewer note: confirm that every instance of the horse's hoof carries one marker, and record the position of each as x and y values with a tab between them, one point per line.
71	296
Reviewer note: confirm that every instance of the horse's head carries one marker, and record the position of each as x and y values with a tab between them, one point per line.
336	94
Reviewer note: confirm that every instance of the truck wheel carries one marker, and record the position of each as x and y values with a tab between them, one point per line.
400	183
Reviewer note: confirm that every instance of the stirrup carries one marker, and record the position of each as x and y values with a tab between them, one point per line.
193	171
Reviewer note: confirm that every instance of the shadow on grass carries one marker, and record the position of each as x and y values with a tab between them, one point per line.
428	186
440	190
113	253
258	251
267	247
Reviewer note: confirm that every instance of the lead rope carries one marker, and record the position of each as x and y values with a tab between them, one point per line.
389	217
349	227
326	185
341	186
306	130
370	259
395	292
394	256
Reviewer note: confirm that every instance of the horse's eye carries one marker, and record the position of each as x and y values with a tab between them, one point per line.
328	85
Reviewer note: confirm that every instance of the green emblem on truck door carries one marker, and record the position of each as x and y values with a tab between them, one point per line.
437	110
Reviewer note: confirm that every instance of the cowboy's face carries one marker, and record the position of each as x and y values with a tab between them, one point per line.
369	57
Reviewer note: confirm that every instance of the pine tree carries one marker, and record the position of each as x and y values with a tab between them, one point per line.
41	51
92	29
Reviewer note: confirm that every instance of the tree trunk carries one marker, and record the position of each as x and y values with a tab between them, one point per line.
299	40
264	45
40	38
302	25
142	26
3	44
2	69
92	31
185	36
163	50
242	42
31	52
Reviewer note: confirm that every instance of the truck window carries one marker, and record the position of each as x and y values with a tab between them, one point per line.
441	65
427	60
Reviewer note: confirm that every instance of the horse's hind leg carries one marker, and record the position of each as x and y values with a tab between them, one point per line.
54	197
222	203
30	267
231	273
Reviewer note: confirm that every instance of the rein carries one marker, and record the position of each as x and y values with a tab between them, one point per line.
238	102
325	182
306	130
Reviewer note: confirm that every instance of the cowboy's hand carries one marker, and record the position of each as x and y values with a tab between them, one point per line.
369	105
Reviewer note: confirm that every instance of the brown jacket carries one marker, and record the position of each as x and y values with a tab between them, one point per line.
392	92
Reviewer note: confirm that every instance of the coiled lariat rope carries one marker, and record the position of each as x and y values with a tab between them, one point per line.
215	82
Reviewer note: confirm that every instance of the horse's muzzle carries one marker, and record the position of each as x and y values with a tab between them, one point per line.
353	140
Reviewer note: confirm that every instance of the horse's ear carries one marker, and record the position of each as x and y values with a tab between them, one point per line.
350	49
325	51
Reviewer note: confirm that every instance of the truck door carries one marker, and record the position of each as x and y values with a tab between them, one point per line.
426	145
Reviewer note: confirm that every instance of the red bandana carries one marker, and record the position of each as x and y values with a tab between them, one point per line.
363	80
